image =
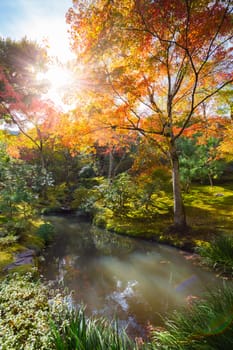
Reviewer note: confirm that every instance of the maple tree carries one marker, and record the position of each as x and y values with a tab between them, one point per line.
226	108
21	105
159	62
20	62
37	126
226	145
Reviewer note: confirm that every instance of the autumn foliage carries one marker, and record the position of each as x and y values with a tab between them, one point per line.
162	60
147	74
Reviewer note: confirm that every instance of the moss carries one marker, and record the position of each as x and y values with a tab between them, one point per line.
135	227
209	211
5	259
33	242
28	239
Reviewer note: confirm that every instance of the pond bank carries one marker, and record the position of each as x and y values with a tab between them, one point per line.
153	230
209	213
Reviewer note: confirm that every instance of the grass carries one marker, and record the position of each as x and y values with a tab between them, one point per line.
7	254
205	324
35	317
81	333
219	253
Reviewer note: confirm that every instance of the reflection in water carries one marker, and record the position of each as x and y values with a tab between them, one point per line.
120	296
186	283
134	280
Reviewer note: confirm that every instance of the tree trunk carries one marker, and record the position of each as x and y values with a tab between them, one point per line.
43	173
110	165
42	160
210	180
179	211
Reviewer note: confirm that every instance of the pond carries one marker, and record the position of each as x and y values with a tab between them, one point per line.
133	280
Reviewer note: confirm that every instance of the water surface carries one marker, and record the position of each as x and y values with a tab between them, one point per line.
134	280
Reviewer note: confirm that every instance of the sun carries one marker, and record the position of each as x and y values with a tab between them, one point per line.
60	80
57	76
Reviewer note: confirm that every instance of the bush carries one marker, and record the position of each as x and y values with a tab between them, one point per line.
205	325
118	194
26	308
46	232
85	199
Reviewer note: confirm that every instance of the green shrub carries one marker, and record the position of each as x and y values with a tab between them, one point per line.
85	198
26	308
204	324
219	253
118	194
57	195
46	232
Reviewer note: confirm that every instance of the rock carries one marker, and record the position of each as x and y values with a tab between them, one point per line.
24	261
23	258
26	254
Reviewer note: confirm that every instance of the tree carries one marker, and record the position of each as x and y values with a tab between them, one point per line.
226	146
19	185
37	126
20	90
199	161
21	104
20	62
160	60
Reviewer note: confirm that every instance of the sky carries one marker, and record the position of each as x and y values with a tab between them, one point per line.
37	20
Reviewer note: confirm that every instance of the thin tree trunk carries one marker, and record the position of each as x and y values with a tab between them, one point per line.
42	160
110	165
179	211
210	180
43	173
